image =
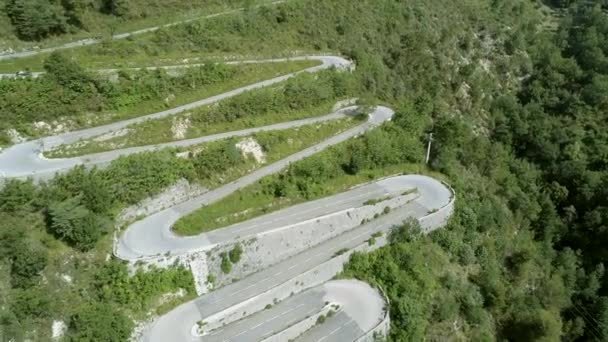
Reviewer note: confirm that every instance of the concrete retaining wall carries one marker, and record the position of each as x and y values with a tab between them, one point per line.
439	218
311	278
382	328
272	247
319	275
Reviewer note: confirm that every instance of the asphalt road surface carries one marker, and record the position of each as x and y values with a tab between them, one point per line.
356	306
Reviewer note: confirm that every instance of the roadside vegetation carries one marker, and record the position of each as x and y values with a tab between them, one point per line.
303	96
518	112
43	23
376	154
68	97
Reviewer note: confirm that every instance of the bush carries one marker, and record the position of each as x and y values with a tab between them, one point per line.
226	265
235	253
73	223
36	19
99	322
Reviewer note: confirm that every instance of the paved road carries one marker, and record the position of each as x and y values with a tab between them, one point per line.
92	41
177	324
26	160
357	308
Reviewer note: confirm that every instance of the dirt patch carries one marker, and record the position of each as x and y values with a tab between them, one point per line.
251	147
180	127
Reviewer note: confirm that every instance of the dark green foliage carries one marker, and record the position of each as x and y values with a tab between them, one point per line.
68	73
72	222
32	302
99	322
26	264
113	284
119	8
226	264
16	194
26	261
235	253
37	19
136	177
216	159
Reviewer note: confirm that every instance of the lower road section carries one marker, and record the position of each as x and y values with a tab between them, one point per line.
316	263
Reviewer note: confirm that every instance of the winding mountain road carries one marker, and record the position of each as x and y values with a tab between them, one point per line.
26	159
152	236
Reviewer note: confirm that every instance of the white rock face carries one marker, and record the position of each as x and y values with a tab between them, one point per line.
181	191
180	127
58	329
66	278
15	136
250	146
344	103
200	272
41	125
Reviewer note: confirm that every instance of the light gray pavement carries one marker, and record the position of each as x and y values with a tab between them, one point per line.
177	324
92	41
26	160
37	74
358	308
268	322
339	328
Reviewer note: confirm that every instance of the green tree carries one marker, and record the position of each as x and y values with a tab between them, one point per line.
119	8
67	73
235	253
75	224
17	195
37	19
99	322
33	302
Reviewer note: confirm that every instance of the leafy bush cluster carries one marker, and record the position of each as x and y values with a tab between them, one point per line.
231	257
69	92
35	20
298	93
380	148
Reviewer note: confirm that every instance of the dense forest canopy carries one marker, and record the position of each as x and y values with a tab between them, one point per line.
519	112
35	20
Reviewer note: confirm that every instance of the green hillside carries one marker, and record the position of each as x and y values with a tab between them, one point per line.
514	92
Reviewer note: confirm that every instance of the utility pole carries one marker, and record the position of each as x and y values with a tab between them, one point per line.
428	150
